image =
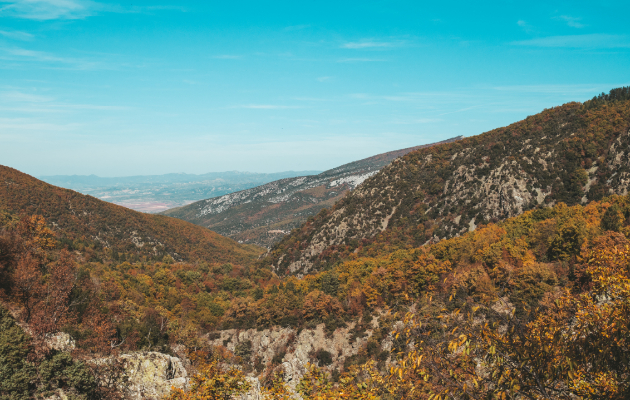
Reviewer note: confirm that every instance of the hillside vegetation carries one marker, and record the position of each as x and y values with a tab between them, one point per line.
521	273
71	303
262	215
529	306
533	307
102	230
573	153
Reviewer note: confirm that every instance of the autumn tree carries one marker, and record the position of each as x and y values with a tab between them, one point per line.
213	382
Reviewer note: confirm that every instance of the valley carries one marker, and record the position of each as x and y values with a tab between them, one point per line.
490	266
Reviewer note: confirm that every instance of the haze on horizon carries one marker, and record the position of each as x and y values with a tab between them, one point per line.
148	88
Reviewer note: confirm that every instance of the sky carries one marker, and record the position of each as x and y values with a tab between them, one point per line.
152	87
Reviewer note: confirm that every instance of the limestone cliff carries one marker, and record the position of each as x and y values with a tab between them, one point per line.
145	375
292	350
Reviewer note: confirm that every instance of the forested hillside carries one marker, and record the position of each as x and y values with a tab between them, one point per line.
78	310
262	215
573	153
533	307
99	229
529	306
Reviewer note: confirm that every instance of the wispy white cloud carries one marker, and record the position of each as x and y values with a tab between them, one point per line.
370	44
464	109
590	41
90	107
416	121
24	97
26	124
559	89
525	26
54	61
316	99
164	8
20	101
228	57
49	9
266	106
572	21
395	97
35	55
44	10
296	27
359	59
324	78
18	35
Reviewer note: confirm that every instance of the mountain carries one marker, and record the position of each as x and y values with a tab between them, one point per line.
155	193
573	153
264	214
88	223
412	255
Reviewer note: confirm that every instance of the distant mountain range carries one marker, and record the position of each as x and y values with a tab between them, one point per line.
264	214
155	193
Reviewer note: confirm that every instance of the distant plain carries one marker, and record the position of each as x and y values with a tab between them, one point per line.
157	193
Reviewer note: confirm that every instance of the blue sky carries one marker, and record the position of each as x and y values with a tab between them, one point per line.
128	88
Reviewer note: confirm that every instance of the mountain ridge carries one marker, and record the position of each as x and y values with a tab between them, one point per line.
571	153
261	215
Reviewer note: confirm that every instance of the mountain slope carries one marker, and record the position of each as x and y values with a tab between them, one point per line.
87	220
572	153
262	215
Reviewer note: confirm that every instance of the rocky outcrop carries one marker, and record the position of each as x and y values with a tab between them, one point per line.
292	350
60	341
146	375
151	375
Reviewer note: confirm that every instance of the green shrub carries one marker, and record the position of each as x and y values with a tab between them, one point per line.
612	220
531	283
75	378
323	357
17	375
244	350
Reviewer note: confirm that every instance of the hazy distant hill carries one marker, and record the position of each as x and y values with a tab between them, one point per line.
573	153
155	193
86	220
262	215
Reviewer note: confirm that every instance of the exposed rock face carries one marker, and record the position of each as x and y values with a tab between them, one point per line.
295	349
566	154
262	215
148	375
60	341
151	375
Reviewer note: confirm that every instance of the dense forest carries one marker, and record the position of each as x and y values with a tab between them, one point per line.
529	270
533	307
